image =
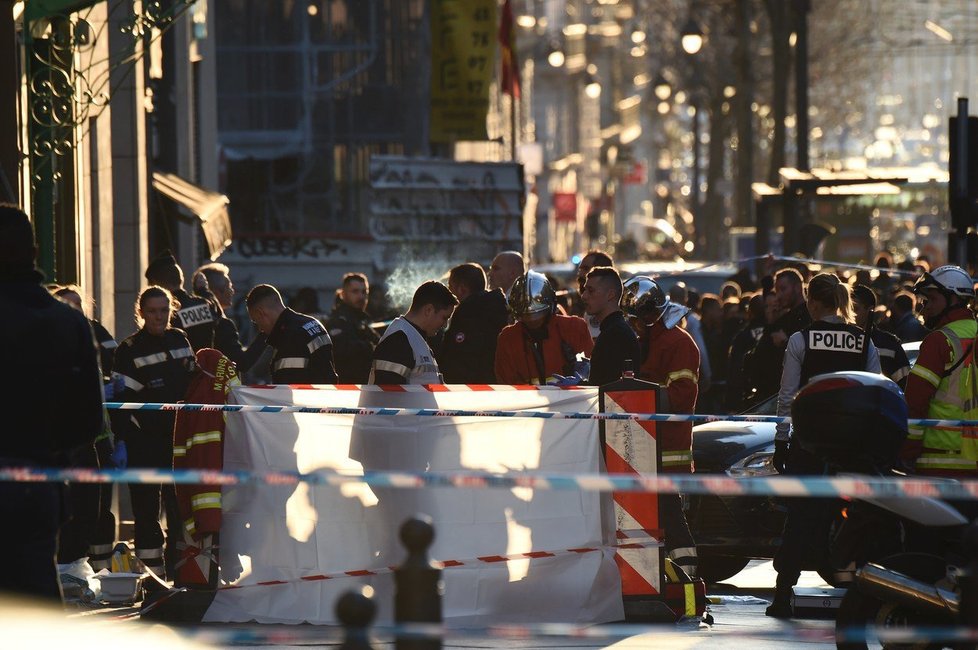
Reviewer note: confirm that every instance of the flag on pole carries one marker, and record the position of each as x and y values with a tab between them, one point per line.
507	42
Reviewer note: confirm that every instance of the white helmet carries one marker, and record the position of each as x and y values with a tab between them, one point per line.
947	279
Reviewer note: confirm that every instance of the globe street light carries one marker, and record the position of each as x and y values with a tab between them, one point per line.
692	37
555	56
592	88
661	88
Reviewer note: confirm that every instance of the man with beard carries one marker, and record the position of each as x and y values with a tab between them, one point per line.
468	351
349	327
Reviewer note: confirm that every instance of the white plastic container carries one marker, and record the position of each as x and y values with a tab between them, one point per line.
121	588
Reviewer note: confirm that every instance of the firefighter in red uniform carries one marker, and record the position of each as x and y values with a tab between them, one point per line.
541	344
671	359
937	387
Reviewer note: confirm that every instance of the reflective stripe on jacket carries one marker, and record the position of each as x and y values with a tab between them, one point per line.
950	451
425	370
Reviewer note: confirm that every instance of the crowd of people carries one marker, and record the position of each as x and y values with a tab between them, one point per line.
710	353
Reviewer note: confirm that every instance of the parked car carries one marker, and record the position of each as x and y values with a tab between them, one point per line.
704	278
730	531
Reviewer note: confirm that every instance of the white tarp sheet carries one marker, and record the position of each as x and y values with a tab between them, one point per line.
286	532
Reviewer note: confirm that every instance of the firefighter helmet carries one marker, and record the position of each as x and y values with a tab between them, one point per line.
948	279
644	298
532	295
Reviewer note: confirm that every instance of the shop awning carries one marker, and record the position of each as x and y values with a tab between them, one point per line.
210	208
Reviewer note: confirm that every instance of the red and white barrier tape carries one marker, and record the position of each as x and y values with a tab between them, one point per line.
453	564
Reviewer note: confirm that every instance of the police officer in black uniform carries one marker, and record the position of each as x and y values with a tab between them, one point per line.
155	365
51	376
893	360
830	344
468	349
303	349
212	282
197	317
349	327
617	343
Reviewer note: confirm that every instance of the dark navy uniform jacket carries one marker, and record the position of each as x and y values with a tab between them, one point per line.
303	350
154	369
197	317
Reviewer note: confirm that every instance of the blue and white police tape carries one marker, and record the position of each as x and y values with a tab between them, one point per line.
783	486
482	413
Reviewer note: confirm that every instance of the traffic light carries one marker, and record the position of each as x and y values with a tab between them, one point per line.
963	169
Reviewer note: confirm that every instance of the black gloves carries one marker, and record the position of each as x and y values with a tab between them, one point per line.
780	455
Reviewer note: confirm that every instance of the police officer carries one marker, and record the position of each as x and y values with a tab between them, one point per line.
303	349
671	359
617	342
212	282
51	376
155	365
542	343
830	344
935	388
468	350
197	317
403	355
349	327
893	360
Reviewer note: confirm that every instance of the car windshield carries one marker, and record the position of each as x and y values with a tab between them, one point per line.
769	406
766	407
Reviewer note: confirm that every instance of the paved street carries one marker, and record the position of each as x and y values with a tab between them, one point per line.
737	608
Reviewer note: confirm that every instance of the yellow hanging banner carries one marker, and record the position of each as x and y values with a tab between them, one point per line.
463	56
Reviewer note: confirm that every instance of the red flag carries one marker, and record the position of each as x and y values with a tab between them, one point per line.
507	40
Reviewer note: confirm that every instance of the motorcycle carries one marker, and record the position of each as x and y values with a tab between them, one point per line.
902	559
913	589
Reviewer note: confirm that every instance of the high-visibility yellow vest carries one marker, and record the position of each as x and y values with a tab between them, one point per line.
946	449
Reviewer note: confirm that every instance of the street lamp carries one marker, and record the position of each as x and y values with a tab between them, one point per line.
661	88
692	42
692	37
592	87
555	56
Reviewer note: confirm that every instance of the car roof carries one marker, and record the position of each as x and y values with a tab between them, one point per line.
703	277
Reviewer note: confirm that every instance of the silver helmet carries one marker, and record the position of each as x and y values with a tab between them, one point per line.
531	295
645	299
